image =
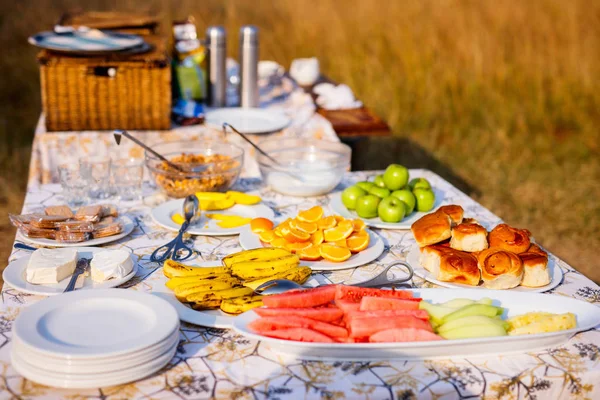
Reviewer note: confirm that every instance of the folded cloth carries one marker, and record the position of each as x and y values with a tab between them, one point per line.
331	97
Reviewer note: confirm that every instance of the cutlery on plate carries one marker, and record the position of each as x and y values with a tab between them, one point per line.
277	286
22	246
83	265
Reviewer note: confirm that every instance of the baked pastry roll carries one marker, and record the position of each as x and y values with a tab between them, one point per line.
469	237
535	266
509	238
432	228
500	269
109	210
63	211
449	265
470	221
455	213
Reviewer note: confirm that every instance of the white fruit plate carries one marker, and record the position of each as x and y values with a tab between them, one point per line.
339	208
588	316
412	259
250	240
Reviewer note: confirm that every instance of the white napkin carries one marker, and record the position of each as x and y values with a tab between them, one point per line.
331	97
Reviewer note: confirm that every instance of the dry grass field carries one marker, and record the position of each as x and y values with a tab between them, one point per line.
502	96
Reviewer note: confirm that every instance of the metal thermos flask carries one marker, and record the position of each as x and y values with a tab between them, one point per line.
249	66
217	73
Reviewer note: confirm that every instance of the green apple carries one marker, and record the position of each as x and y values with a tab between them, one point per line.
365	185
395	176
366	206
380	192
419	183
407	197
391	209
378	181
425	199
350	195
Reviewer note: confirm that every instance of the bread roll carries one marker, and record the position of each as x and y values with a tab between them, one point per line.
455	213
535	266
432	228
500	269
510	239
469	237
449	265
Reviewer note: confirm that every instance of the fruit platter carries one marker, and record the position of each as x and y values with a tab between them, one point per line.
391	201
344	322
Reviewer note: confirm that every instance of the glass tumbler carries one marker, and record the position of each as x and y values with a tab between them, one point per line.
96	171
128	175
74	185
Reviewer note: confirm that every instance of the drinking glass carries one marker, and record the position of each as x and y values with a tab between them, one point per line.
74	186
127	175
96	171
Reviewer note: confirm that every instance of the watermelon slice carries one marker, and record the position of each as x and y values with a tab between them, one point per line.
369	303
302	298
357	293
299	334
420	314
403	335
326	314
360	327
265	324
347	305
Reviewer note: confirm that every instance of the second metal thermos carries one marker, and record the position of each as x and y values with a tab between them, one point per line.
217	73
249	66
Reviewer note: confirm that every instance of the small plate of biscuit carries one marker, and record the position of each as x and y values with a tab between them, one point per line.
59	226
457	252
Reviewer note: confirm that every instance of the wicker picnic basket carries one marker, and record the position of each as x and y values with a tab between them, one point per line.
121	90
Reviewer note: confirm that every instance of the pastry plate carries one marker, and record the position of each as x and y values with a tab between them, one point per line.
588	316
14	275
412	259
249	240
206	226
251	121
338	207
128	227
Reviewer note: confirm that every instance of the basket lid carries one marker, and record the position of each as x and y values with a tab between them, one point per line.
108	20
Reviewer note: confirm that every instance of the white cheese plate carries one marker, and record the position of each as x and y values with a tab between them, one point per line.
163	214
516	303
14	275
556	275
251	121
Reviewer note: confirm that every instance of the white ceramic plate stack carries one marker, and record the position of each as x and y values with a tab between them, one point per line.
94	338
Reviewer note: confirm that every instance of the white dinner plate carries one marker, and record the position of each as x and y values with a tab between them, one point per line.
587	314
163	214
89	381
128	227
338	207
249	240
115	322
251	121
15	275
412	259
82	42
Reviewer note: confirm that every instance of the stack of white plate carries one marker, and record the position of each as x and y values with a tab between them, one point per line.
94	338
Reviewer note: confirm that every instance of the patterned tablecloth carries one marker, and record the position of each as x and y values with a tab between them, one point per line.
51	149
220	363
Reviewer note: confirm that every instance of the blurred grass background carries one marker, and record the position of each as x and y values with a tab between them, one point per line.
503	94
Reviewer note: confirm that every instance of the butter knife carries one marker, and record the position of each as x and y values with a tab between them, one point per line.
83	264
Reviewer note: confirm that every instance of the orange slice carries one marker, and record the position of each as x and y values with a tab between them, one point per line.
358	241
311	215
359	225
258	225
267	236
306	227
293	235
339	218
341	243
327	222
311	253
277	232
334	253
347	223
296	247
280	243
317	238
338	233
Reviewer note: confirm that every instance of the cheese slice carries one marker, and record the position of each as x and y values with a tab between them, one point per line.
48	266
111	264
